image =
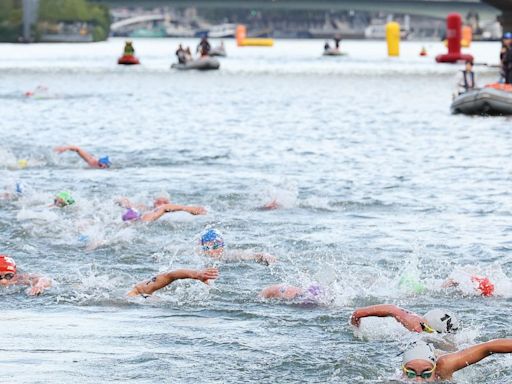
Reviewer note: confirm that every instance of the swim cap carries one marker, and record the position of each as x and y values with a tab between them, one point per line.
419	350
484	285
66	198
19	188
411	284
507	35
442	321
105	161
7	265
212	235
130	215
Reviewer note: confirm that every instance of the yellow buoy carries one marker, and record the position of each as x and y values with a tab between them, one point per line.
256	42
22	163
393	38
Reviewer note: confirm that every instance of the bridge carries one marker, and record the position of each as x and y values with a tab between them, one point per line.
487	9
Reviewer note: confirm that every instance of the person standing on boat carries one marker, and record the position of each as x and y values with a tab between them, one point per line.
506	57
337	41
465	80
182	55
204	46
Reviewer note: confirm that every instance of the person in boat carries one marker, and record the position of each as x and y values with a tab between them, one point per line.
434	321
421	364
327	46
128	49
146	288
212	246
102	162
9	276
465	79
181	54
337	41
188	54
506	57
204	46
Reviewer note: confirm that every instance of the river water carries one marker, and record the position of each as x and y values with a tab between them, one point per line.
376	181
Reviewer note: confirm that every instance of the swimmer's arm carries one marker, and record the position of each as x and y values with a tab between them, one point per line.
409	320
450	363
86	156
164	279
163	209
259	257
37	283
126	203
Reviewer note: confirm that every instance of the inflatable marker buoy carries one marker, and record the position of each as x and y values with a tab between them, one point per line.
423	51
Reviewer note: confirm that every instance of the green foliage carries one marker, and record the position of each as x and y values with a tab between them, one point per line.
6	7
77	10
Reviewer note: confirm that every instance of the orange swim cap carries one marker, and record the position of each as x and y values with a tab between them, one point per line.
484	285
7	265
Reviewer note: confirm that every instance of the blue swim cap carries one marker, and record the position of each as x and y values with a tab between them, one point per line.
19	188
105	161
212	235
507	35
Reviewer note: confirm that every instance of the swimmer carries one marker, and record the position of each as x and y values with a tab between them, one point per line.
146	288
212	245
311	294
420	363
9	276
63	199
271	205
481	284
13	194
134	215
157	202
436	320
102	162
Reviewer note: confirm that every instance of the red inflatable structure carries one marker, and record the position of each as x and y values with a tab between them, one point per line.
454	36
128	60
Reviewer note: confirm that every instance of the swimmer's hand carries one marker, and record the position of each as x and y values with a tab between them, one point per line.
196	210
265	258
39	285
207	274
271	205
449	283
355	320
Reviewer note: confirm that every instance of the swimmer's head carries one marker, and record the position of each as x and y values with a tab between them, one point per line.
131	215
212	243
19	188
441	321
483	285
63	199
419	361
7	269
104	162
161	200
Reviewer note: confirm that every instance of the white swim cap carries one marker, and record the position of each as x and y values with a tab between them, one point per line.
442	320
419	350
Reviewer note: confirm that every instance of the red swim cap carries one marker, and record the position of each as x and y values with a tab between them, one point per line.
484	285
7	265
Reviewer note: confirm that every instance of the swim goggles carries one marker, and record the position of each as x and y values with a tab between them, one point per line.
215	245
412	374
426	328
7	276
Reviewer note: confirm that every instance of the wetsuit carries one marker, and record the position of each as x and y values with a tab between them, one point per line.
507	65
205	47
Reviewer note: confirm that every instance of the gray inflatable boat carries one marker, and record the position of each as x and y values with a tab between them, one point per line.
485	101
201	64
219	51
333	52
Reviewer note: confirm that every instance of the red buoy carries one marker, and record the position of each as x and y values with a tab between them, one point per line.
454	36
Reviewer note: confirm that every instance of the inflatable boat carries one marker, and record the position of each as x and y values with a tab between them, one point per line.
217	51
494	99
202	64
128	60
333	52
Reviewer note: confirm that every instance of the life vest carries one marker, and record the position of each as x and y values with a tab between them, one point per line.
466	84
